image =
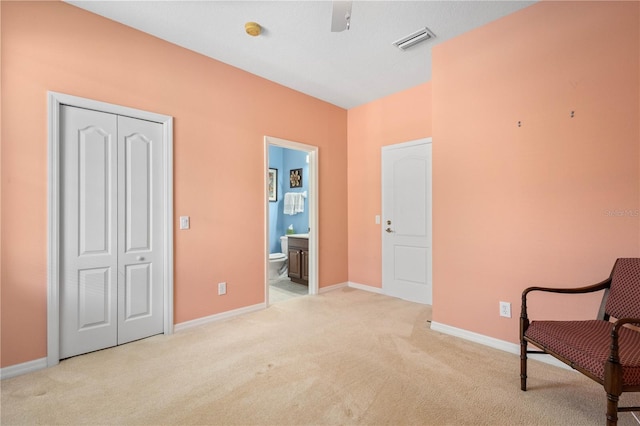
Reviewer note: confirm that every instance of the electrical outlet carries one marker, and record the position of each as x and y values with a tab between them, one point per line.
505	309
222	289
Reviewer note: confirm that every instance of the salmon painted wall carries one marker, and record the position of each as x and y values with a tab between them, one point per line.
221	115
555	201
397	118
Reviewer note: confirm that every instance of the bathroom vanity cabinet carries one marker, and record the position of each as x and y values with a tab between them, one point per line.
299	260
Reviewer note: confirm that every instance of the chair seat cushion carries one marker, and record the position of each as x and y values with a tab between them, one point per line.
587	344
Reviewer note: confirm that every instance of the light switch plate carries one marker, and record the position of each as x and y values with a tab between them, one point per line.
184	222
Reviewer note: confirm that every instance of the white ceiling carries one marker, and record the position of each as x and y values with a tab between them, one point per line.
297	48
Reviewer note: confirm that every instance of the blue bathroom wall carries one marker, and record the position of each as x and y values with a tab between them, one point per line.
275	226
285	160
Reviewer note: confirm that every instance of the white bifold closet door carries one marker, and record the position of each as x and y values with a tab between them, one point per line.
111	289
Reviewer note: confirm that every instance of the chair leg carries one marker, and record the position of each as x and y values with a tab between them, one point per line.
612	409
523	364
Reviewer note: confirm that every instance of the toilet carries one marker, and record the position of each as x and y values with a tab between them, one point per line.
278	261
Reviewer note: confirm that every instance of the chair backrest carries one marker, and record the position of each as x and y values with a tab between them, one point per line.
623	300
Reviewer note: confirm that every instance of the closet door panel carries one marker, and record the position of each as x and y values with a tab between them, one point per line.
138	187
94	303
140	236
138	289
88	285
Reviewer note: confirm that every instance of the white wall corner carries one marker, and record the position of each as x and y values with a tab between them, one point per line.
494	343
332	287
365	287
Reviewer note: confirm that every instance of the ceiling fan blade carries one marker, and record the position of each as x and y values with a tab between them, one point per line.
341	16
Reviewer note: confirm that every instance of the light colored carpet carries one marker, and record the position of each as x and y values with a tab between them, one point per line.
343	357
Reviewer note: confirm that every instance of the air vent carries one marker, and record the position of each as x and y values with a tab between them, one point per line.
412	39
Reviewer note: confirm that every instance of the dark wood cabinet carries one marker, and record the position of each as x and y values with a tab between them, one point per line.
294	264
299	260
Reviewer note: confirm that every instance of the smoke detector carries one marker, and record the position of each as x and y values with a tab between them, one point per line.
253	29
414	38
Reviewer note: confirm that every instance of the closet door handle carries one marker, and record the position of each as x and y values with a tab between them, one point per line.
139	258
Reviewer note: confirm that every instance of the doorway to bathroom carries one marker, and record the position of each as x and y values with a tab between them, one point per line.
291	219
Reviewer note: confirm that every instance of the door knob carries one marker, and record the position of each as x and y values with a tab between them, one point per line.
388	222
139	258
388	230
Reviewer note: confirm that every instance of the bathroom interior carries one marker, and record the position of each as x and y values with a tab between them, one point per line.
288	223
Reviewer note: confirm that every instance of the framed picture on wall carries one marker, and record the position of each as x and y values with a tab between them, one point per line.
295	178
273	184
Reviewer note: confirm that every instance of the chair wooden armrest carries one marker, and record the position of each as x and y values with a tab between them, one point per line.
602	285
576	290
623	321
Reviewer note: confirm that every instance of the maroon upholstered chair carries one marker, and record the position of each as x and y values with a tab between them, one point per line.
606	349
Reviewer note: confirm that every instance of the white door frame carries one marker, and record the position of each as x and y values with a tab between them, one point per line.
422	141
313	209
55	101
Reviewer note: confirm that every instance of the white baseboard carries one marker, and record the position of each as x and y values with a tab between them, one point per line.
494	343
365	287
24	368
218	317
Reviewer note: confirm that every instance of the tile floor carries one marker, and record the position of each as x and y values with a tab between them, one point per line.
284	289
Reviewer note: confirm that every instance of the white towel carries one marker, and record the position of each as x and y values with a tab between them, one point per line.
293	203
298	203
288	203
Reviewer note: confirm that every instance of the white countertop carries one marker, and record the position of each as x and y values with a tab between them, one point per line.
298	235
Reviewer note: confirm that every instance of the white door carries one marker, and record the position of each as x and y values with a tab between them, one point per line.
406	213
111	277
